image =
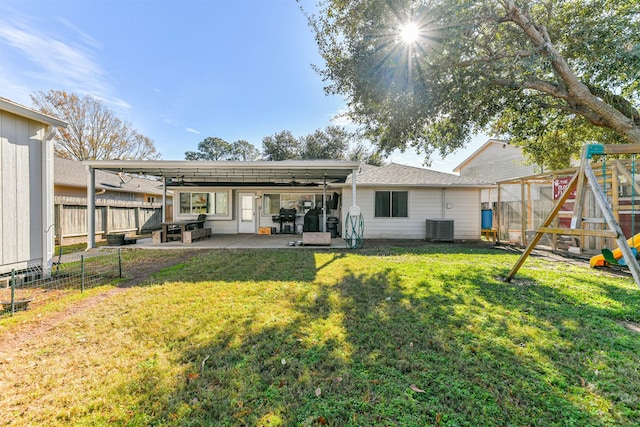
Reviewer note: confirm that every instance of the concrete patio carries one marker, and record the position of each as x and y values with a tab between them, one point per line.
239	241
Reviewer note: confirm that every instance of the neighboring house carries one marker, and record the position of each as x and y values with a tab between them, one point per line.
525	195
396	200
26	187
124	202
496	161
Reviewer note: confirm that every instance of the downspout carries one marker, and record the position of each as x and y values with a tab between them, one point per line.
91	207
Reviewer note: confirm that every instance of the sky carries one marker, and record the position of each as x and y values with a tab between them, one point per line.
180	71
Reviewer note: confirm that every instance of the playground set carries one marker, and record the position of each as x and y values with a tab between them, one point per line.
614	193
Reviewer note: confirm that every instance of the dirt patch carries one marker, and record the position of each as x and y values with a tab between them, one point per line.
135	274
632	326
138	273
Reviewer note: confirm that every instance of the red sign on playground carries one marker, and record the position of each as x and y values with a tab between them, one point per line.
560	185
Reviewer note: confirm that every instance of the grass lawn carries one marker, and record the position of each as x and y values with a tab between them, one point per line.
380	336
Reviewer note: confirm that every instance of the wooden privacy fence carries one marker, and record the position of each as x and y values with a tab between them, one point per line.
111	216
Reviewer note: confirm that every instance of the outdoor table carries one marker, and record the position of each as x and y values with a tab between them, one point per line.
183	225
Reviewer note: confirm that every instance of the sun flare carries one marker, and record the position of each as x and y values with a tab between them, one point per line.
409	33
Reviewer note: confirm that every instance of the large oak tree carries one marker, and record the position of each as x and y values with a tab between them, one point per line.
429	74
217	149
333	142
94	131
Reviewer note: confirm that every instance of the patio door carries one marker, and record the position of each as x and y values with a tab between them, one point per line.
246	213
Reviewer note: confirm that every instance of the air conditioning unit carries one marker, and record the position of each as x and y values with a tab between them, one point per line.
440	230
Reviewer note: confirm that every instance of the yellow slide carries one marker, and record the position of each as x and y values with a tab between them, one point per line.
598	260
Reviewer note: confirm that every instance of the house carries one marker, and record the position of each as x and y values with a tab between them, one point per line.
125	203
396	200
26	187
523	196
242	197
496	161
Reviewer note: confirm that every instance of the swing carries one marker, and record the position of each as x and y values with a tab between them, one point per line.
608	254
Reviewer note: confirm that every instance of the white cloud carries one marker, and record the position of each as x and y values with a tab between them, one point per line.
86	38
191	130
54	59
341	118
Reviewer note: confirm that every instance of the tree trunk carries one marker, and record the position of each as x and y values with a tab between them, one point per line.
579	93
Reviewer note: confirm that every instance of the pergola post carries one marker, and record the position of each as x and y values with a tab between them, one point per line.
164	199
324	205
353	188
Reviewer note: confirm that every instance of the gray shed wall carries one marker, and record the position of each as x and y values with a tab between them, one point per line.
21	188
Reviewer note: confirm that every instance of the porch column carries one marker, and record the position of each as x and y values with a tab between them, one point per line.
353	187
91	207
324	205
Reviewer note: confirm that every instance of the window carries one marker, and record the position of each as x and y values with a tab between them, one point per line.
151	199
271	204
301	202
392	204
206	203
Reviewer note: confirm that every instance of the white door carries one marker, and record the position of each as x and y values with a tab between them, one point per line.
247	213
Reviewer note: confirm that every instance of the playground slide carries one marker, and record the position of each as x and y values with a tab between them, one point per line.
598	260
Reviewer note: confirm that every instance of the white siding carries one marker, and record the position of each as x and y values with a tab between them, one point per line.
9	203
499	161
460	204
21	215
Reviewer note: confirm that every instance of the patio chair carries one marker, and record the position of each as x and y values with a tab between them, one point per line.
201	219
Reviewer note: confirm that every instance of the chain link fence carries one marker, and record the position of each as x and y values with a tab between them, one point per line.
25	288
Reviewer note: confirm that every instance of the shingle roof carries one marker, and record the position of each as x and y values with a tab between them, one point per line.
396	174
73	174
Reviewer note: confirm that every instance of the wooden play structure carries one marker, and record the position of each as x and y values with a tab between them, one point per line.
615	172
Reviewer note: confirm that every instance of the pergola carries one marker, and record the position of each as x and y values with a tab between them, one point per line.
256	173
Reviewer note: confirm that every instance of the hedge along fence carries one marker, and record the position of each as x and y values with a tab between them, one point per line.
24	288
111	216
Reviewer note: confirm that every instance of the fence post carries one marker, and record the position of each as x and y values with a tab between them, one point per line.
119	263
138	219
105	219
13	292
81	273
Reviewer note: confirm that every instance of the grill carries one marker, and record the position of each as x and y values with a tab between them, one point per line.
286	215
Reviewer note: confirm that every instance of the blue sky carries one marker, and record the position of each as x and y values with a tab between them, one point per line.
179	71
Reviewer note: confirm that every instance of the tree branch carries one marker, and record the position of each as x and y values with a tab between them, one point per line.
494	58
592	118
578	92
617	101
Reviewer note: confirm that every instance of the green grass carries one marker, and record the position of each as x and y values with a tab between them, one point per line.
382	336
76	247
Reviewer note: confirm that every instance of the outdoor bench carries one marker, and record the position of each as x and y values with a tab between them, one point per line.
195	234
